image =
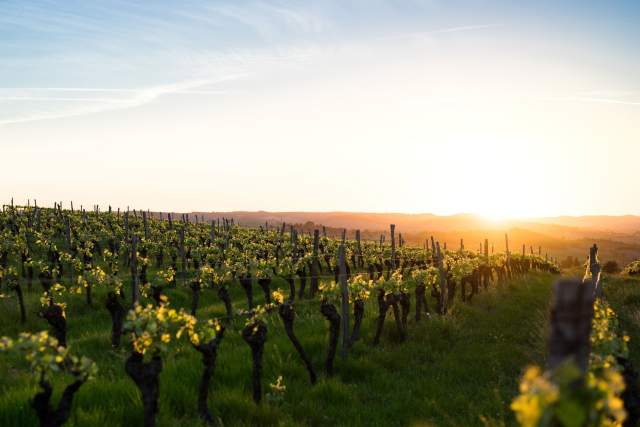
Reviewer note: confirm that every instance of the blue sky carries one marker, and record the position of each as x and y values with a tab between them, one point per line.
278	76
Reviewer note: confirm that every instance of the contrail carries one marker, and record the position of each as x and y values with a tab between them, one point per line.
592	99
135	98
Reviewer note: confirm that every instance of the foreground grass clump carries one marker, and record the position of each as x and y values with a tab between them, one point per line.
462	369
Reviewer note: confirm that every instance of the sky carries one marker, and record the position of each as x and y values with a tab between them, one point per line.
502	108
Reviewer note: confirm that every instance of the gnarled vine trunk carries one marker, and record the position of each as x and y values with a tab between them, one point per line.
223	294
117	312
265	283
358	315
209	352
247	285
255	334
54	315
146	376
41	403
331	314
383	307
287	314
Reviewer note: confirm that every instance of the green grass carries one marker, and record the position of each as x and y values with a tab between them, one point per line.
450	371
623	293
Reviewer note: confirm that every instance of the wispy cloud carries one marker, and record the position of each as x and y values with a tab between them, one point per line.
429	34
591	99
129	98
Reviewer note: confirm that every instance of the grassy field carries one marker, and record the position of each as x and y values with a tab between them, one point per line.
624	295
457	371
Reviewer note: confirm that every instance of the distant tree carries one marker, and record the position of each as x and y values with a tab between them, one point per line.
611	267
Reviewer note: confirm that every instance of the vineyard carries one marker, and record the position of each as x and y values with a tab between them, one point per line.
134	318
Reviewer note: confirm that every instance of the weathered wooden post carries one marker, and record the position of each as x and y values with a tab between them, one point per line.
344	291
571	318
594	268
442	277
183	260
126	224
393	246
67	224
314	263
461	245
135	291
146	225
506	243
359	249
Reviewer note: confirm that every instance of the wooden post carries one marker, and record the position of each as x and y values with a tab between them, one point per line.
146	225
393	246
571	317
359	248
135	292
486	249
212	232
443	284
594	268
506	242
461	245
344	290
183	261
314	263
67	221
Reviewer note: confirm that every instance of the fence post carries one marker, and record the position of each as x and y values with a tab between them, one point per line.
314	263
183	260
135	292
68	236
594	267
393	246
571	317
345	301
359	256
443	285
146	225
506	243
